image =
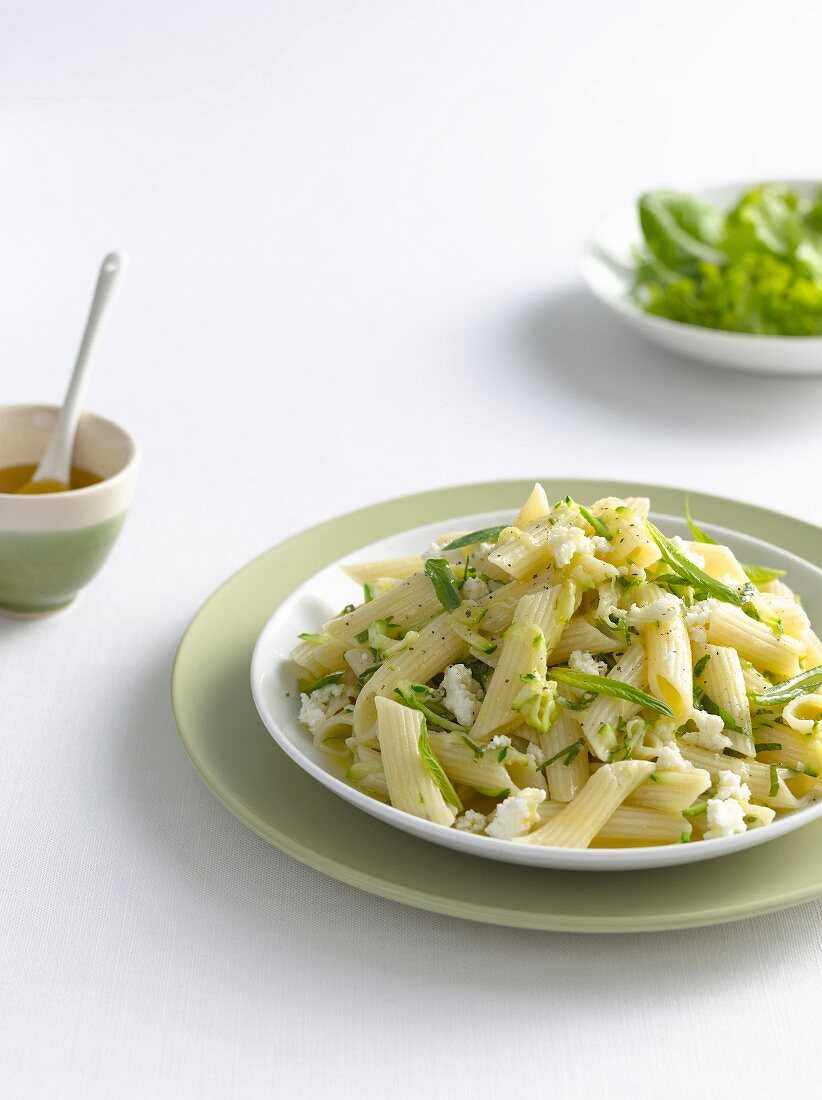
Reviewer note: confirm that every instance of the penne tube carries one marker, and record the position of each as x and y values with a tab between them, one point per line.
756	775
724	681
754	641
671	791
398	569
484	773
600	721
436	647
408	605
565	776
410	786
579	821
632	826
535	507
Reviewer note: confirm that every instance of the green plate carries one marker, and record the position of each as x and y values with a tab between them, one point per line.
240	763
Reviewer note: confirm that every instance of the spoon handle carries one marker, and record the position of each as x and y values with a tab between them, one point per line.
56	462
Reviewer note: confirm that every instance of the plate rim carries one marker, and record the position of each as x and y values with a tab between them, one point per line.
428	900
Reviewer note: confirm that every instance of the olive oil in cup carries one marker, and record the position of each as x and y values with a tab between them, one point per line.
52	544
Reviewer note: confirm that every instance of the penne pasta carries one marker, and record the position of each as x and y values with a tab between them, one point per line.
410	786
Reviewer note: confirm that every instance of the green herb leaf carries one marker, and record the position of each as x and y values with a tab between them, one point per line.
774	787
699	667
308	687
768	746
761	574
595	522
696	577
699	535
487	534
703	701
777	696
447	592
606	685
418	696
477	750
368	593
569	753
434	769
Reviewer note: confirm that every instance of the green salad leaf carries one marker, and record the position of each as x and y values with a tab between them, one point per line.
757	268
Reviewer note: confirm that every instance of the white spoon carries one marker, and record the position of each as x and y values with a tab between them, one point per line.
53	475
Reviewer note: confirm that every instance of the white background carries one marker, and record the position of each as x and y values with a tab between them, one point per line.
353	229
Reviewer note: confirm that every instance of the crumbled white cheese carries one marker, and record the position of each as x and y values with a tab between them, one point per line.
471	822
687	553
566	542
474	588
318	707
726	817
463	695
599	544
665	729
698	618
708	734
433	551
664	610
671	759
581	661
731	786
499	741
516	815
536	754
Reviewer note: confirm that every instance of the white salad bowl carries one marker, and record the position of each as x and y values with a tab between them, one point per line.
606	267
277	700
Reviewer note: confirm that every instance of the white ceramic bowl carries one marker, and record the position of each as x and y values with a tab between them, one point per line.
321	597
616	237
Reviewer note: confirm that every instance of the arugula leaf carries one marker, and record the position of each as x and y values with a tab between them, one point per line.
783	693
434	769
487	534
595	522
447	592
308	687
606	685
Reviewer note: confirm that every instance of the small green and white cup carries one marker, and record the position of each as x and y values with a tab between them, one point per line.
51	545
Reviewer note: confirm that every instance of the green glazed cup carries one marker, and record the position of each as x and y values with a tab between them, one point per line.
51	545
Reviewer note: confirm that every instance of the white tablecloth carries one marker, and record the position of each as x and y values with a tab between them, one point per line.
353	229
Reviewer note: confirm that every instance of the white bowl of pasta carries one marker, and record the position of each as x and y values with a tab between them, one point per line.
586	688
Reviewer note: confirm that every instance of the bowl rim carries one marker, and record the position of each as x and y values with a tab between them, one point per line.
592	252
29	499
